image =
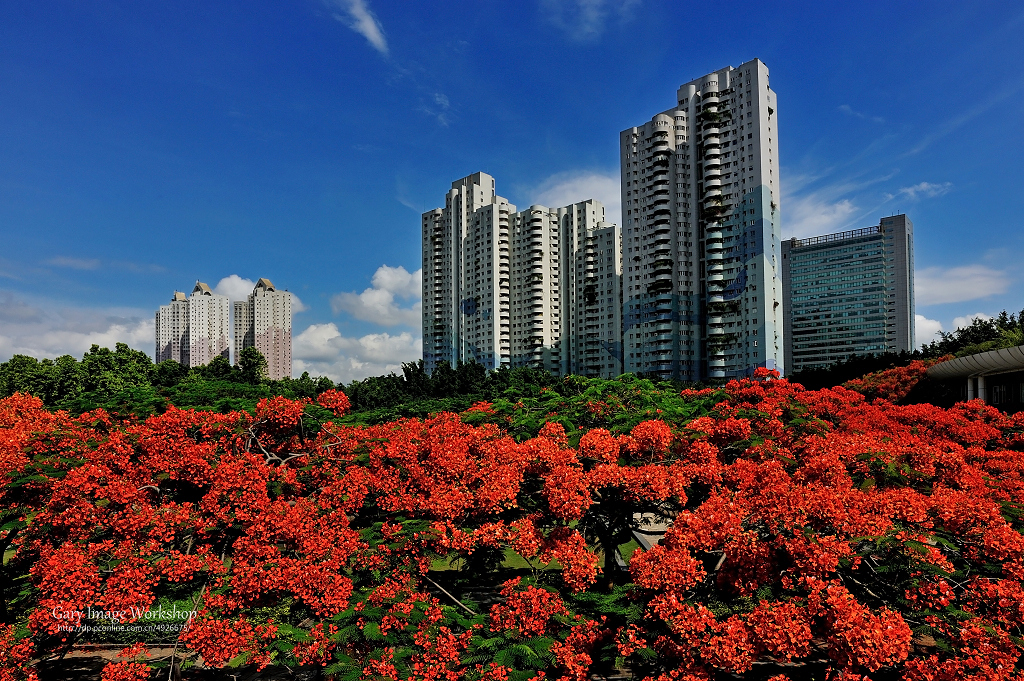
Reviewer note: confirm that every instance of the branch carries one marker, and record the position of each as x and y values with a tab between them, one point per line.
445	592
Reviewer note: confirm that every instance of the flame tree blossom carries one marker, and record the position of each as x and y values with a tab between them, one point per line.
834	529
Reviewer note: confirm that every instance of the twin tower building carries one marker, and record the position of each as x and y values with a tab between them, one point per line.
193	330
689	288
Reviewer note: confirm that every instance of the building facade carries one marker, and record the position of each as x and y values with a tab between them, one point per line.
172	331
264	321
592	276
849	293
702	240
505	288
466	289
209	325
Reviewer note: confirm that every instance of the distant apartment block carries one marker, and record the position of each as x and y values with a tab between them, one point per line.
172	330
264	321
193	330
702	242
209	325
540	287
850	293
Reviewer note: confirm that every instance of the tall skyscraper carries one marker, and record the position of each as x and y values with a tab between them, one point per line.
466	290
209	327
508	288
849	293
264	321
700	198
172	330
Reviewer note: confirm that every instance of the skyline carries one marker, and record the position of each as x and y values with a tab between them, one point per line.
148	147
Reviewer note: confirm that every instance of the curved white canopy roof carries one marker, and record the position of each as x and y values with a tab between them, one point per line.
982	364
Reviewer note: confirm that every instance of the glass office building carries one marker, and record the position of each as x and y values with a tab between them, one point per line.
850	293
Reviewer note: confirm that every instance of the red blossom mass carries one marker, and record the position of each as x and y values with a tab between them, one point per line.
833	527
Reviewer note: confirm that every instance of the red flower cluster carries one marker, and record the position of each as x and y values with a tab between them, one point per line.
799	527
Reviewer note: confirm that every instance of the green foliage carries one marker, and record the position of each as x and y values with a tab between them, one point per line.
1002	331
253	366
126	381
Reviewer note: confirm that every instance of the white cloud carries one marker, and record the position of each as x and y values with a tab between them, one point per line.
849	111
563	189
585	20
925	330
438	107
238	288
323	351
815	213
922	190
235	287
938	285
361	20
967	320
41	328
377	303
74	263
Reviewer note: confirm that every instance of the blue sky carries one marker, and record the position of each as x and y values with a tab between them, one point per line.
145	145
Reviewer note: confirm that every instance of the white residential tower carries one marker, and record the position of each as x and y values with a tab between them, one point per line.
700	203
540	287
172	330
209	326
264	321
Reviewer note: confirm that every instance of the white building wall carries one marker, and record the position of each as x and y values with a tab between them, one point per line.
172	337
209	325
465	308
271	312
264	321
242	319
500	286
702	238
535	289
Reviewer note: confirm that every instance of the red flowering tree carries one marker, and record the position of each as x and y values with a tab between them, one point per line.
803	531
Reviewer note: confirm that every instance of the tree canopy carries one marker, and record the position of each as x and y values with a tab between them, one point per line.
754	530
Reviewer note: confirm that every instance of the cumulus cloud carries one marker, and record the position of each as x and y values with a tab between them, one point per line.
938	285
378	303
41	328
238	288
585	20
563	189
967	320
322	350
920	190
360	19
235	287
925	330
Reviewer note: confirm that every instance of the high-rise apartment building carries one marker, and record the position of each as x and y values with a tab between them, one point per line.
209	325
592	285
701	239
172	331
508	288
264	321
466	289
850	293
